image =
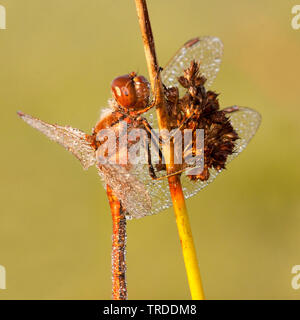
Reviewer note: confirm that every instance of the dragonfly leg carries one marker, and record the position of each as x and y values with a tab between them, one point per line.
169	175
150	134
149	157
150	165
156	141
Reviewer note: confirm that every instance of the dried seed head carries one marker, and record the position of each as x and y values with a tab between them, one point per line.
199	109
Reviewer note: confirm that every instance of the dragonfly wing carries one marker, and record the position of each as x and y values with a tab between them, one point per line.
245	121
157	190
207	51
71	139
128	189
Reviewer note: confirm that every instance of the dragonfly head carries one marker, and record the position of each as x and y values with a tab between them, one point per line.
131	91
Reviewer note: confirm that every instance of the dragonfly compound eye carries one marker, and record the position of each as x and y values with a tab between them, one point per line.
142	88
124	92
131	91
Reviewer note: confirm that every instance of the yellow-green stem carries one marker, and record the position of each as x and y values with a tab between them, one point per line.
186	239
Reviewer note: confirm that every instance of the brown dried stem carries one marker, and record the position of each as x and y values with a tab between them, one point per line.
152	63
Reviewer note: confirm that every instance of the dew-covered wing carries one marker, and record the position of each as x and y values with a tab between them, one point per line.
207	51
245	121
132	193
71	139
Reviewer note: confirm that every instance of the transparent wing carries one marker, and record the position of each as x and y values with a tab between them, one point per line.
207	51
71	139
128	189
245	121
139	194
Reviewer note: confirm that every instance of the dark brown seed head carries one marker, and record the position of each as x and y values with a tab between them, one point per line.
199	109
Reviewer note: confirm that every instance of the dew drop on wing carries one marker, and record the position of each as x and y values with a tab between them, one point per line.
207	51
245	121
128	189
139	194
70	138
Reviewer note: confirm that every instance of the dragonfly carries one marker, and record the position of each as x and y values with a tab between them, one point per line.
138	191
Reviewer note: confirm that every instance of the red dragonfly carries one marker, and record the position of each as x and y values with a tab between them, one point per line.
139	193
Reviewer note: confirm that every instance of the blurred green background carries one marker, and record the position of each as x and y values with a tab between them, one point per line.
57	59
